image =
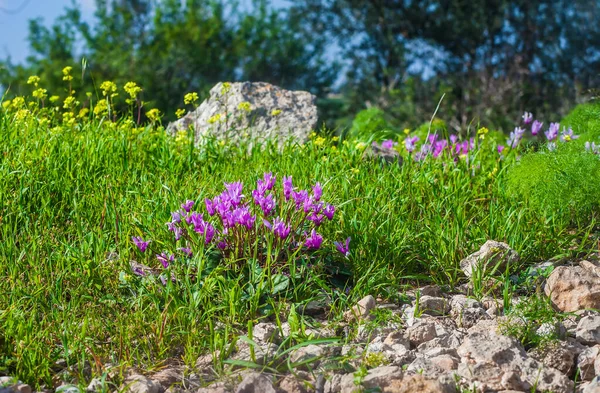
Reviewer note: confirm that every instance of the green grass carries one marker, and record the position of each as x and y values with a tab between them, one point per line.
71	198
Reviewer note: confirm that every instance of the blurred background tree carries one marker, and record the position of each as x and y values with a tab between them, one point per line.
489	59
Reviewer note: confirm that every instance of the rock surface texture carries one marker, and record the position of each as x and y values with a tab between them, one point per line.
251	110
492	256
574	288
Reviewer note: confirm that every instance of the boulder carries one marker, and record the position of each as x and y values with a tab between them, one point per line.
573	288
251	110
588	330
256	383
362	310
501	363
492	255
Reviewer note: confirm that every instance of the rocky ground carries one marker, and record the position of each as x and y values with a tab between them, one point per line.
435	341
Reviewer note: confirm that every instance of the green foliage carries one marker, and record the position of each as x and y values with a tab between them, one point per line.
371	123
584	119
563	183
437	126
533	322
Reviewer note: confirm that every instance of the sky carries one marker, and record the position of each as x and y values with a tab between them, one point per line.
15	16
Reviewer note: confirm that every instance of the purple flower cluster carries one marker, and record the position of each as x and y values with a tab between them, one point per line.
238	225
593	148
436	147
552	133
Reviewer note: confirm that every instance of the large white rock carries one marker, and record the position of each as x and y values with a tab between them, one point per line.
573	288
492	256
273	113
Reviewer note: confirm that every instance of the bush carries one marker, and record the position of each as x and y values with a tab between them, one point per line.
561	183
585	120
371	124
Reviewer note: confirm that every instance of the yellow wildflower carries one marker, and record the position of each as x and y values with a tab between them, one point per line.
22	114
101	108
190	98
132	89
69	119
355	170
83	112
482	132
40	94
108	87
67	73
324	159
153	115
221	142
179	113
53	99
70	102
181	137
33	80
493	172
335	138
18	102
312	135
360	146
6	104
406	131
319	141
244	106
275	112
215	118
43	122
225	88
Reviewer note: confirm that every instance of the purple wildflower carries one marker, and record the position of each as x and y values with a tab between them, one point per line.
209	232
187	205
280	229
500	149
177	231
592	147
316	218
138	271
552	132
314	240
317	191
329	210
210	206
515	137
567	135
343	248
287	187
222	244
439	147
527	117
140	243
242	216
388	144
410	143
186	251
234	192
453	138
299	198
432	138
176	216
195	219
267	204
536	127
165	259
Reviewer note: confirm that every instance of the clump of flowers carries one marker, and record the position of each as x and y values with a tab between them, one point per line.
276	227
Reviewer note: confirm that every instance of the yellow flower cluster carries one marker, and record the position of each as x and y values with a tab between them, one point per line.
70	102
67	73
132	89
275	112
69	119
101	108
107	88
244	106
225	88
215	118
153	115
360	146
40	94
179	113
482	132
319	141
190	98
33	80
53	99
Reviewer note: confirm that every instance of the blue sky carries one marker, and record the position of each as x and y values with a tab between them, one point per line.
15	14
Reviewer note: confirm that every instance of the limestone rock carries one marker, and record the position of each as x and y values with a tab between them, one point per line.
309	355
418	383
362	310
266	333
492	255
379	377
260	110
433	305
421	332
586	362
573	288
588	330
256	383
501	363
140	384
